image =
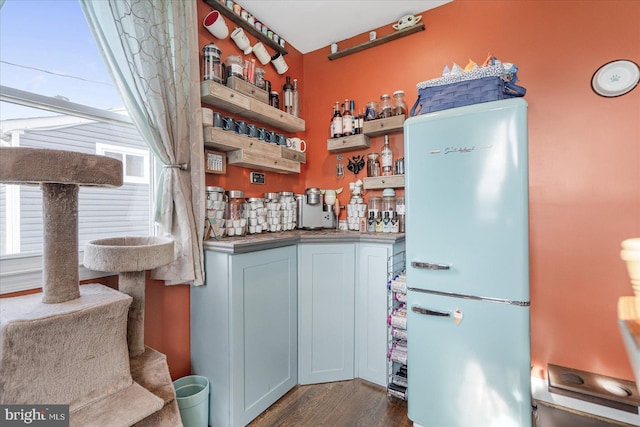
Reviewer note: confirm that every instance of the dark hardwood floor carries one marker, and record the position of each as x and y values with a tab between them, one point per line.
338	404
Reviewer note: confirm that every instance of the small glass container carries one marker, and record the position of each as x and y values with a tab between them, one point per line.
388	203
374	204
373	164
371	112
212	63
236	222
274	99
234	66
386	109
259	77
216	205
401	106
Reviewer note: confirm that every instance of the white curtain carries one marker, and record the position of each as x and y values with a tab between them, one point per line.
151	49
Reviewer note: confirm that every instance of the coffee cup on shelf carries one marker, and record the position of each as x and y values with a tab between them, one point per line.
261	53
214	23
279	63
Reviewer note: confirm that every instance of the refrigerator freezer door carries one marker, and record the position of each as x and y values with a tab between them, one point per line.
467	200
469	362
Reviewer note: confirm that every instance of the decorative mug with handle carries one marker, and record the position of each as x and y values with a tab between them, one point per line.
297	144
406	22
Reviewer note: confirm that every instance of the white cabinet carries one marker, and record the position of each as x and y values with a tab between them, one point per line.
326	289
244	331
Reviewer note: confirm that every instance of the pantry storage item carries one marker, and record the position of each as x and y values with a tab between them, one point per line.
387	158
274	213
256	215
234	66
388	206
400	107
288	205
236	220
400	210
373	164
212	68
386	109
374	205
216	203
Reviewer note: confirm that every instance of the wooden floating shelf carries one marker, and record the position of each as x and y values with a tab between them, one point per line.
373	43
380	182
251	152
245	25
379	127
227	99
348	143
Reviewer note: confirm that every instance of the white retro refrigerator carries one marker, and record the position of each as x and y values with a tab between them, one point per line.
467	252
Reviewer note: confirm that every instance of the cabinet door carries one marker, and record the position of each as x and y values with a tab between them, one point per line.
264	330
326	312
371	312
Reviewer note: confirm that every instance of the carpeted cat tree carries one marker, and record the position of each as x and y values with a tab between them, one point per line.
83	346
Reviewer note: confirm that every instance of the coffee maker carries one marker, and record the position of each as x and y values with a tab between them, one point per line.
310	209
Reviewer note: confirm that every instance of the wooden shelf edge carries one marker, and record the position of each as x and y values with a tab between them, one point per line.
389	125
373	43
245	25
381	182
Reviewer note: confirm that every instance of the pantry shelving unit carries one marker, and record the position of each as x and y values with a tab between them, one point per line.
376	42
397	384
370	129
242	150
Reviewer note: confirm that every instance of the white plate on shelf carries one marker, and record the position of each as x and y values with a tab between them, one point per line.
616	78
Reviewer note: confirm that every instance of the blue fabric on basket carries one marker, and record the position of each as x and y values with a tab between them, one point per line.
467	92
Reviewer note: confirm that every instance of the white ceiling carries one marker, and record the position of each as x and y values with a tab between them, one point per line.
311	24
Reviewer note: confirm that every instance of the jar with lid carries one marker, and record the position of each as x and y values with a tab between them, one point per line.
257	215
212	68
400	209
274	99
234	66
288	206
371	112
374	204
274	213
373	164
386	110
388	202
400	107
236	221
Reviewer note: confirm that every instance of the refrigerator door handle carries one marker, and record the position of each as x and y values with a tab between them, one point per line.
429	312
430	266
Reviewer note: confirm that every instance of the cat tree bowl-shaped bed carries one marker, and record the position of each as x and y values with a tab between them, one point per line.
130	257
59	174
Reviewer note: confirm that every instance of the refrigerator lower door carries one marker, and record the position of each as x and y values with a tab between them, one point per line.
468	362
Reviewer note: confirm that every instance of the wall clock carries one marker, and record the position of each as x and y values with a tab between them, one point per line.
615	78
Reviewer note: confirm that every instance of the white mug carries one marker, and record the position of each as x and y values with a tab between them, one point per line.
207	117
261	53
214	22
242	41
279	63
297	144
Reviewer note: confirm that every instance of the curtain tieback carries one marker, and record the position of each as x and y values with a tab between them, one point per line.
182	166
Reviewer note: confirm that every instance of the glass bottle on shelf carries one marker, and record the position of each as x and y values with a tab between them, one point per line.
296	99
401	107
347	119
387	158
336	122
287	90
386	110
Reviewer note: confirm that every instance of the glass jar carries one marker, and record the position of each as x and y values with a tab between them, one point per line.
257	215
386	110
373	164
374	204
288	206
388	201
234	66
371	112
274	213
212	63
236	221
216	203
401	107
259	77
400	209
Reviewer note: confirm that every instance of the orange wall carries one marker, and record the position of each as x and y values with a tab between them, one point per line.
584	149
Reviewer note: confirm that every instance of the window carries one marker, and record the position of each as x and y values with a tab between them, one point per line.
135	162
55	92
